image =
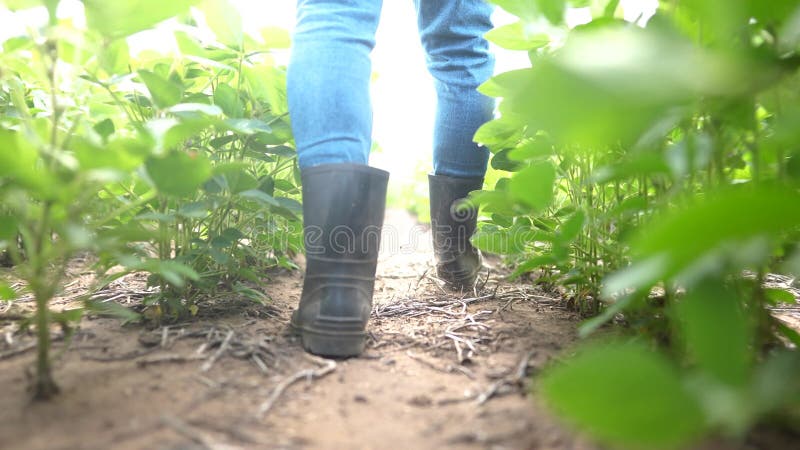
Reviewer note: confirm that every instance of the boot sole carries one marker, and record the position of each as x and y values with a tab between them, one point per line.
339	345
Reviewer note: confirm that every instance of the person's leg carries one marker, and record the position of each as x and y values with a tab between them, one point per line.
458	57
328	80
343	198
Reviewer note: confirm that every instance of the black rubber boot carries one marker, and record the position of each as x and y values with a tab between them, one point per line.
457	261
343	208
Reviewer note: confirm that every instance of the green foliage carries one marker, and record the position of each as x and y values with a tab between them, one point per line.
120	19
181	165
652	170
611	390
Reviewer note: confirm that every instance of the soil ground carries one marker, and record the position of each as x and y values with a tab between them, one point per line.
442	370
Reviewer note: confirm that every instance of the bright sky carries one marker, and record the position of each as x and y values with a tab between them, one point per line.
402	93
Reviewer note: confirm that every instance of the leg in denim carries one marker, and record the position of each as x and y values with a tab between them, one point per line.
328	80
458	57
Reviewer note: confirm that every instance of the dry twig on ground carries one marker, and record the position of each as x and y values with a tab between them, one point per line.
328	366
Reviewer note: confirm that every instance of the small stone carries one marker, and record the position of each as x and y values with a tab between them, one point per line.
421	401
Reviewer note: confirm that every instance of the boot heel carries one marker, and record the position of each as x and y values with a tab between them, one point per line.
332	344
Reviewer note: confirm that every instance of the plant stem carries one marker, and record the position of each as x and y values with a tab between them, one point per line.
44	387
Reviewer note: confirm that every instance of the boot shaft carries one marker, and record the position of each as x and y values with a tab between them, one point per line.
453	220
343	209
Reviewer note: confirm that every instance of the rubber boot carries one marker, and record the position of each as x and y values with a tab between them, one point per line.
343	208
452	224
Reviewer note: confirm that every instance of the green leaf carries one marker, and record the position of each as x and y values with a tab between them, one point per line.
534	185
178	174
114	57
113	309
499	202
104	128
259	196
224	20
164	92
113	155
553	10
227	98
499	134
122	18
7	293
19	161
172	271
246	126
777	296
610	85
236	177
724	349
8	227
776	383
518	36
624	394
571	228
720	221
169	133
501	161
15	5
501	241
188	45
533	149
532	264
67	315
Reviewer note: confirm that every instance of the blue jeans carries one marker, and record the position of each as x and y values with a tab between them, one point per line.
329	74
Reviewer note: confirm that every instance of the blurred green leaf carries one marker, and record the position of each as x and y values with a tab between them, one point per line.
19	162
518	36
236	176
501	241
114	57
776	384
164	92
533	149
8	227
118	156
178	173
227	98
724	349
112	309
104	128
224	20
122	18
7	293
777	296
571	228
626	394
610	85
534	185
247	126
501	161
532	264
728	217
259	196
499	134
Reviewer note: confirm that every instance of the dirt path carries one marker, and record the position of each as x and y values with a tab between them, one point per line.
441	370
